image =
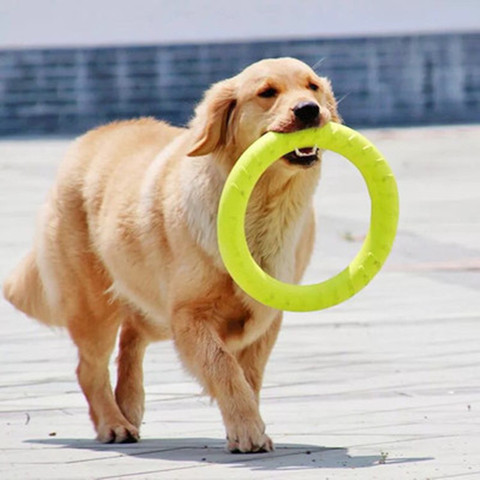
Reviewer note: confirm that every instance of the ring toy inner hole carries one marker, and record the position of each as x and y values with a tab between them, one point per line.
232	241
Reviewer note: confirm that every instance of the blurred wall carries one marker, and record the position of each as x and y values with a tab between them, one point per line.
381	81
54	81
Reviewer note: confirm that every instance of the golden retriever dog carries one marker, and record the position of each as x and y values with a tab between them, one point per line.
126	241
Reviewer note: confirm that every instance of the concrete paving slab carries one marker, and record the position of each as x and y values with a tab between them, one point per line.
384	386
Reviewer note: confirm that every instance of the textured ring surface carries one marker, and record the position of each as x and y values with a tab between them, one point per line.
232	240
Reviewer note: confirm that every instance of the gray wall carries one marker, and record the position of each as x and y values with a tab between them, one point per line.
402	80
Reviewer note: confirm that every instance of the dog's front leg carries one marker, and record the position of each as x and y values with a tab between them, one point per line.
207	358
253	359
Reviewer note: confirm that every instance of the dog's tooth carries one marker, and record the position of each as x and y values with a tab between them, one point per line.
312	151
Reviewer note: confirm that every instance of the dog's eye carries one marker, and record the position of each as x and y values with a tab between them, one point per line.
268	92
313	86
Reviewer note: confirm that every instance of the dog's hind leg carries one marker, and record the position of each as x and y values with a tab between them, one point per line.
95	338
136	335
129	392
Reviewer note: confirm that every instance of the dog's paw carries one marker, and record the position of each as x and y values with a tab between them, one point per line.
263	445
248	438
118	434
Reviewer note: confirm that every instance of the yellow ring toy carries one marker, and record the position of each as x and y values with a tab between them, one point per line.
232	240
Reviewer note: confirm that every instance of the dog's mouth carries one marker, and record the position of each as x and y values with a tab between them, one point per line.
305	157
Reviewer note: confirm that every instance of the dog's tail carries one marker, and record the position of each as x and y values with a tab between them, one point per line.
25	290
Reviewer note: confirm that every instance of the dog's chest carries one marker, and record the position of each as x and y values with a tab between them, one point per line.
273	236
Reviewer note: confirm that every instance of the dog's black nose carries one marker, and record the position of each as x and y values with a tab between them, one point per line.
307	112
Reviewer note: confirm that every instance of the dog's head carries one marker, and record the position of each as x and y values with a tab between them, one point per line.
279	95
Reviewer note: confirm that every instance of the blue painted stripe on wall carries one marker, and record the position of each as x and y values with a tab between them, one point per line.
409	80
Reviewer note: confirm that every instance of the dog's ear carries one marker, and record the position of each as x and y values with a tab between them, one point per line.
331	101
209	125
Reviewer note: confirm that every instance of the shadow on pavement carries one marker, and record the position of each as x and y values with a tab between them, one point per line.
212	451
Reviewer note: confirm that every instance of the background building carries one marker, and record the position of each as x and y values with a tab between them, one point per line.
66	66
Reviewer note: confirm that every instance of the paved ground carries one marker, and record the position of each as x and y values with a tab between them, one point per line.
384	386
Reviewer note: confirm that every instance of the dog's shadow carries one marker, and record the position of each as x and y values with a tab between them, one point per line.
212	451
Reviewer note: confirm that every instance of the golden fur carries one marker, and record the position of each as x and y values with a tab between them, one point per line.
127	240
